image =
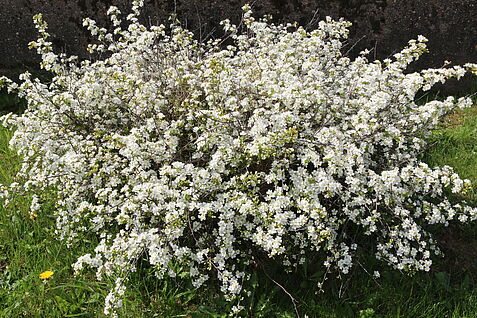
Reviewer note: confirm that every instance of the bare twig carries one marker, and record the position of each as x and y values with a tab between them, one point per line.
312	21
352	46
294	301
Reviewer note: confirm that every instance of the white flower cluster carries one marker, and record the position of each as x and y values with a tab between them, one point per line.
206	156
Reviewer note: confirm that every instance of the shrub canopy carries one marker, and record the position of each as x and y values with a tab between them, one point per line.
190	153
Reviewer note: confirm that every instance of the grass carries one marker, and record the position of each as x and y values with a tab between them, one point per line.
28	247
455	144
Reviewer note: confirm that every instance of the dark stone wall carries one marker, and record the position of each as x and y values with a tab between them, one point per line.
384	26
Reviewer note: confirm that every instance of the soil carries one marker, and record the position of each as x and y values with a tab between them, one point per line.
460	250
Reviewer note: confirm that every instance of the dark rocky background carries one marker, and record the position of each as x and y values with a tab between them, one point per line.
384	26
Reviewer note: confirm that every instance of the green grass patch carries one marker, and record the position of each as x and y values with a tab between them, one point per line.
27	248
455	144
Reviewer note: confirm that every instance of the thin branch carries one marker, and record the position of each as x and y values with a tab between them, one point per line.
294	301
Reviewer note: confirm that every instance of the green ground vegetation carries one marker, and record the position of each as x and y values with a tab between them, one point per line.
28	247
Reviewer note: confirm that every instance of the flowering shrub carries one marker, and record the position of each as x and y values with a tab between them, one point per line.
188	153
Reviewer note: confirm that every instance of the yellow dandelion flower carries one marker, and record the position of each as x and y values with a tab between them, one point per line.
33	216
46	275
